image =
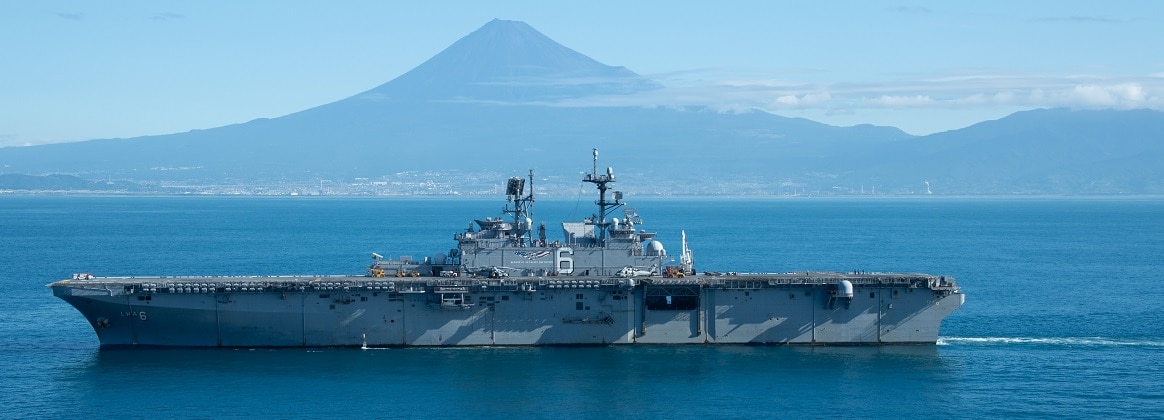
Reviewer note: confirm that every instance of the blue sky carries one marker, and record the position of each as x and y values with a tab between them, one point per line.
76	70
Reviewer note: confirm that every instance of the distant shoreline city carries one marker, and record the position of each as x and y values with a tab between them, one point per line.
488	185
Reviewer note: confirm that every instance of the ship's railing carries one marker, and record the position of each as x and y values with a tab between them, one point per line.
241	284
123	279
750	281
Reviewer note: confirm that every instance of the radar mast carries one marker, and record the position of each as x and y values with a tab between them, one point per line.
522	209
604	207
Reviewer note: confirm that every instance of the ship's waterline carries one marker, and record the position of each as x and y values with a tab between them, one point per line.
604	282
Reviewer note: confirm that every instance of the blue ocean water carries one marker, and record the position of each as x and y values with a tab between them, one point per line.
1062	314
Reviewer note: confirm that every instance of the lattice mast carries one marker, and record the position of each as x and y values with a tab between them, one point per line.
604	207
522	210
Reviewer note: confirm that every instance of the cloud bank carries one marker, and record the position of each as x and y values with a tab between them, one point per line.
949	92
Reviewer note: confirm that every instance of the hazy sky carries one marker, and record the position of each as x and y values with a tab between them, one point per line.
76	70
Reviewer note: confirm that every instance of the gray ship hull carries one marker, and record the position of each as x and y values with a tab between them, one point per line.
360	311
606	281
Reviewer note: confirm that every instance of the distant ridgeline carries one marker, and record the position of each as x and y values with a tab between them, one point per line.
18	182
505	96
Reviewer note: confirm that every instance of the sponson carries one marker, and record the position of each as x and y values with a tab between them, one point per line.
604	281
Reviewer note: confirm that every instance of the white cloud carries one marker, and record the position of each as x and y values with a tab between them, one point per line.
952	91
897	101
1125	95
808	100
964	93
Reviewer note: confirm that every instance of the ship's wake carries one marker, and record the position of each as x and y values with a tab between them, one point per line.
1050	341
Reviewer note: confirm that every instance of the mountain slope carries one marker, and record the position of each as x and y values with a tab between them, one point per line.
509	61
488	103
1057	151
485	94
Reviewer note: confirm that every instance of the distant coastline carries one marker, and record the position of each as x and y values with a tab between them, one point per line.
480	185
556	197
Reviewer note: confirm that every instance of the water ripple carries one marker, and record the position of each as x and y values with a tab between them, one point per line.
1054	341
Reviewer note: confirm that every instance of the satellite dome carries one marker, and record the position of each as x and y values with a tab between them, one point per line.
655	248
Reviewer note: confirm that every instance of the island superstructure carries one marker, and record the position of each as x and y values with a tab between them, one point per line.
605	281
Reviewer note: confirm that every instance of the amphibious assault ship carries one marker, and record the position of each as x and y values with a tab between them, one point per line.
605	281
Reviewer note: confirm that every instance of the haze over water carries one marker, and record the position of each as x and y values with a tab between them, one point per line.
1060	316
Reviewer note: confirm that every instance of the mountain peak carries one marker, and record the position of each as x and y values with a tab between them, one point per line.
508	25
509	60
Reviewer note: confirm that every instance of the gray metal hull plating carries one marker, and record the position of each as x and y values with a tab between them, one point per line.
606	281
360	311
